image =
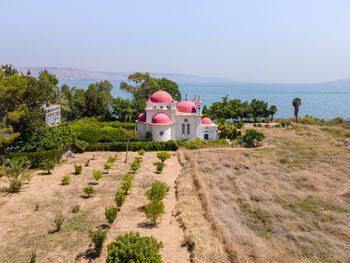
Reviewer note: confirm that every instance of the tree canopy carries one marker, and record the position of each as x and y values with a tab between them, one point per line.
145	85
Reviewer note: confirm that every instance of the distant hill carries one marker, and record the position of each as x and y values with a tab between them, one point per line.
81	74
339	82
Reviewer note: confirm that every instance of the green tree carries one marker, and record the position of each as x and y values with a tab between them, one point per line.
145	85
296	105
98	100
259	109
123	110
272	111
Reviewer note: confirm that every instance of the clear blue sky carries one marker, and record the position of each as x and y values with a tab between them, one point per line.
295	41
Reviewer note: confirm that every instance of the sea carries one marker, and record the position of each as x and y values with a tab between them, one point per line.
324	101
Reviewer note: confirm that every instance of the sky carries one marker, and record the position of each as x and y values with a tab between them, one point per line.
279	41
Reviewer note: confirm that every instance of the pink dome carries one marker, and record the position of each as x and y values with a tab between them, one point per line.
142	117
206	121
186	107
161	97
161	118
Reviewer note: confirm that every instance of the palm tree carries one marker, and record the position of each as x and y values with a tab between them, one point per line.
296	104
17	172
272	111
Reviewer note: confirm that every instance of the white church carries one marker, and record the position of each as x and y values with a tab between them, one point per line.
167	120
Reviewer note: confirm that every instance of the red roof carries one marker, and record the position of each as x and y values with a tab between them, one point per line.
161	97
206	121
161	118
186	107
142	117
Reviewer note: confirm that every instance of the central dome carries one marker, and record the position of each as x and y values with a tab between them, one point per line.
186	107
161	97
161	118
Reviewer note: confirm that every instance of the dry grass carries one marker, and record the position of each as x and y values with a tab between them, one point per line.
27	217
288	201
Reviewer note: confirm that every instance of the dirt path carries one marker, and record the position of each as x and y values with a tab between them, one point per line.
131	217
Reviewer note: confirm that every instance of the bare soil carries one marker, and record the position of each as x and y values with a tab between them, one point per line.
27	218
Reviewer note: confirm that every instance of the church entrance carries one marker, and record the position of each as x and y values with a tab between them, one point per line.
206	136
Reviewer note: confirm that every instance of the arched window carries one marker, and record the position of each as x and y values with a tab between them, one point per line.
188	128
183	128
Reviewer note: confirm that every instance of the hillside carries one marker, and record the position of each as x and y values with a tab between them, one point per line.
81	74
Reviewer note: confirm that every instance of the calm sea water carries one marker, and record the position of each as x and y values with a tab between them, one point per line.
321	101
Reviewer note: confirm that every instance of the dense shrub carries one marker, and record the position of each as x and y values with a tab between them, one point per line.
17	173
119	198
158	191
148	136
47	165
98	237
37	158
59	219
229	130
111	159
78	169
134	167
141	152
134	146
89	190
111	213
126	186
154	210
253	137
197	143
163	156
159	167
134	248
87	163
97	175
65	180
108	166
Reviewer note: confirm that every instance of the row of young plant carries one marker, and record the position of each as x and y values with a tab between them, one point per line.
99	236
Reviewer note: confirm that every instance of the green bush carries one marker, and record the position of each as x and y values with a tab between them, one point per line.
154	210
126	186
79	146
158	191
108	166
37	158
98	237
138	160
89	190
134	248
59	219
134	146
97	175
111	213
197	143
160	167
253	137
17	173
78	169
229	130
119	198
65	180
148	136
141	152
47	165
111	159
163	156
87	163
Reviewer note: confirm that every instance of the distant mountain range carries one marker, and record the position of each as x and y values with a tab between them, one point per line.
81	74
338	82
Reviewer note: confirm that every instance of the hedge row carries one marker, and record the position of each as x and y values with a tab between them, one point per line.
134	146
36	158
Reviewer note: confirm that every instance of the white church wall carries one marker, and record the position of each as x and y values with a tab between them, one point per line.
186	126
161	133
141	129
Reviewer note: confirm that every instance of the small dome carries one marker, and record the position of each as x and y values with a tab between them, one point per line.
161	97
161	118
142	117
217	130
186	107
206	121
